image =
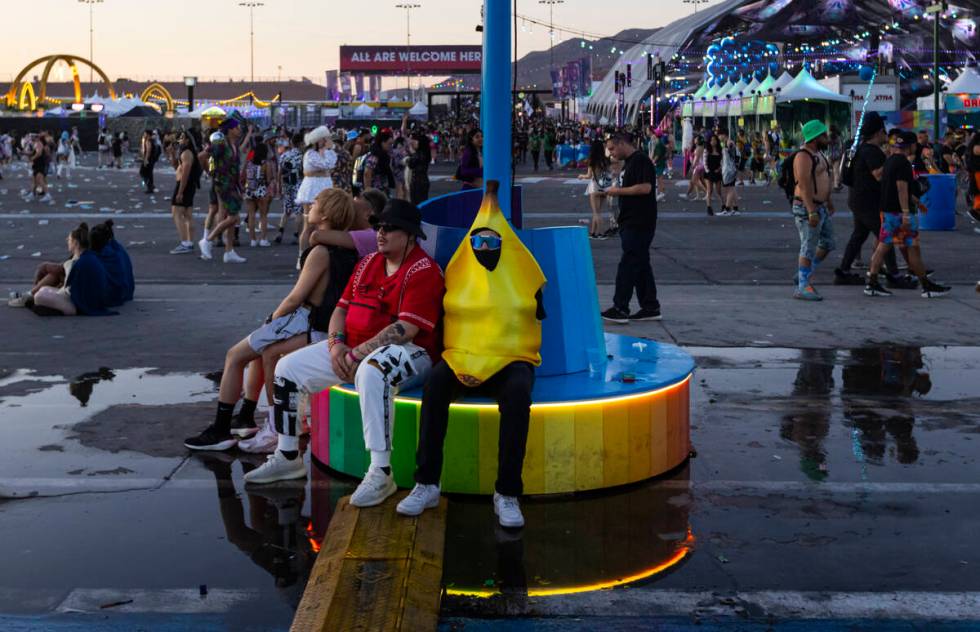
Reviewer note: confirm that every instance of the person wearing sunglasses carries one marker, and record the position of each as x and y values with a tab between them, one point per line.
383	337
492	343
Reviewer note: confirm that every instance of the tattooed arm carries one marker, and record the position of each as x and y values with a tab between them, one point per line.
397	333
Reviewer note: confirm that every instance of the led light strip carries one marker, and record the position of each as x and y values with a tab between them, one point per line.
546	405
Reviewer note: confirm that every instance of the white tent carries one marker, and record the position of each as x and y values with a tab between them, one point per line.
967	83
766	85
363	110
804	86
419	109
751	87
783	80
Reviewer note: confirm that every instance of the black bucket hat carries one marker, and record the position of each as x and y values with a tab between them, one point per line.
402	214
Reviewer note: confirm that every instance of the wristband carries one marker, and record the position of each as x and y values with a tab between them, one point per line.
351	356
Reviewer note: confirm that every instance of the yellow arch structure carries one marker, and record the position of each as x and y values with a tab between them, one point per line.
27	100
155	90
49	61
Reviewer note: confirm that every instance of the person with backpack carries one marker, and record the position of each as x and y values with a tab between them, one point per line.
805	176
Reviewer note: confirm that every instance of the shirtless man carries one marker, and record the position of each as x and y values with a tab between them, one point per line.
812	206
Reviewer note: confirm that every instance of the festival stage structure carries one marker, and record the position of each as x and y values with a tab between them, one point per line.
607	409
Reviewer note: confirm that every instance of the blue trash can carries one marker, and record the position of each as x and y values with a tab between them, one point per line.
941	202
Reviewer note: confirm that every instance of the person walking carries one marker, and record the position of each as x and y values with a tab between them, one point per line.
290	177
535	142
225	150
812	206
900	193
470	170
149	154
712	172
864	200
637	226
258	178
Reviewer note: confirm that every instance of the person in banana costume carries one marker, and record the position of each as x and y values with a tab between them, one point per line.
492	340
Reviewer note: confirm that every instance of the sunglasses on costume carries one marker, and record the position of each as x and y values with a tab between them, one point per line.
490	241
388	228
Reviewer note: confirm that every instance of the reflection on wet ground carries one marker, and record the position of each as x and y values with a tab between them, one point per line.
791	446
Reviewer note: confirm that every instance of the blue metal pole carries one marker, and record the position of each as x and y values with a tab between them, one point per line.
495	98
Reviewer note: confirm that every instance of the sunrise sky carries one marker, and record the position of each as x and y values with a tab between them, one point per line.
167	39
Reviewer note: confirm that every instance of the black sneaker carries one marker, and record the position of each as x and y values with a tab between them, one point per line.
902	282
645	314
617	316
931	289
243	428
211	439
874	288
711	211
847	278
974	214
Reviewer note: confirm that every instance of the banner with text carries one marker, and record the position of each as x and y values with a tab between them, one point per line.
411	60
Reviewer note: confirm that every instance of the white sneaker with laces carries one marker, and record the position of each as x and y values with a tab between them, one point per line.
264	441
264	243
374	489
233	257
205	247
422	497
508	511
253	244
277	468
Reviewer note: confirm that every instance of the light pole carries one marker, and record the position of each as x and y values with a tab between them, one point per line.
937	11
190	82
408	6
551	25
251	4
695	3
91	34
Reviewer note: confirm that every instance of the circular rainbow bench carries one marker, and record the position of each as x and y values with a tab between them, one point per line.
608	409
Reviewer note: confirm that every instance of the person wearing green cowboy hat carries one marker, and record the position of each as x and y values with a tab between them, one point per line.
812	206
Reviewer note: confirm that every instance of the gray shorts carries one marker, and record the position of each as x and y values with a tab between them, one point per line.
282	328
813	238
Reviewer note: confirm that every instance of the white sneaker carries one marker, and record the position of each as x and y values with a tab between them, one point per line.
508	511
422	497
277	468
374	489
232	257
661	197
253	244
205	247
264	441
264	243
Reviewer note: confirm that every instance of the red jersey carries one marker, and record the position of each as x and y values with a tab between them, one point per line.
373	299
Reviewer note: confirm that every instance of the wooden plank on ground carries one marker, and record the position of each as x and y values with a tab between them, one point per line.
376	571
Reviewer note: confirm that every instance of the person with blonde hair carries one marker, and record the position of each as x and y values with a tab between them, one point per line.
301	318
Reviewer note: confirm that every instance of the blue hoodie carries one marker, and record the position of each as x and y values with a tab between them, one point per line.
88	285
119	272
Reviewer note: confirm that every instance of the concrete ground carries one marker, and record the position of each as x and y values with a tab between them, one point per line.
834	485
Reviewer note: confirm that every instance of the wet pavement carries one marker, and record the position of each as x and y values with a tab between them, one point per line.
828	472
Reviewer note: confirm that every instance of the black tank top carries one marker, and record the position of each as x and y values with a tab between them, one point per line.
342	262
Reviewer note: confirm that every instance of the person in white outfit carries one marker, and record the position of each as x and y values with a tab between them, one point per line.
383	337
318	161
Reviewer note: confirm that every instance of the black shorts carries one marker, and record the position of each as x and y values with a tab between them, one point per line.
187	201
713	176
39	167
212	196
758	164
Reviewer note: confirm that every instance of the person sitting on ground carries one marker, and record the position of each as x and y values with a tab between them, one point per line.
309	306
361	237
494	309
85	287
118	266
384	336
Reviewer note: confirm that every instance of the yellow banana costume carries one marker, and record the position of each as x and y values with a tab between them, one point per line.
491	315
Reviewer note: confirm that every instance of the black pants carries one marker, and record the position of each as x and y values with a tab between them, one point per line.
418	190
146	173
865	225
548	157
536	157
511	387
635	271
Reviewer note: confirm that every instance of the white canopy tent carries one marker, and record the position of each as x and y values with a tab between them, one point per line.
419	109
363	110
804	87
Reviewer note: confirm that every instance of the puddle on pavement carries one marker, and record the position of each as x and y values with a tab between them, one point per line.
859	415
